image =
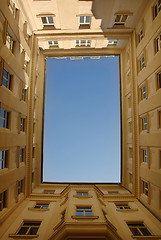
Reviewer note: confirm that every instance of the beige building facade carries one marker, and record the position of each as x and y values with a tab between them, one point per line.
30	32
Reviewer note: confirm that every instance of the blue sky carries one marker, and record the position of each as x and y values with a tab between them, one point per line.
82	120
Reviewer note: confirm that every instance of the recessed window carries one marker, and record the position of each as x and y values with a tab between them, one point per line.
122	206
145	155
49	191
82	193
83	43
41	205
3	159
158	80
145	189
29	228
20	187
21	155
23	92
84	22
138	229
47	21
53	43
143	92
26	65
112	42
159	119
156	8
140	35
6	81
120	20
141	63
12	8
3	198
9	42
158	43
3	118
22	124
113	192
84	212
144	122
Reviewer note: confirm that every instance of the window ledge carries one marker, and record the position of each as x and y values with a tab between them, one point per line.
147	237
84	26
127	210
84	217
82	196
23	236
38	209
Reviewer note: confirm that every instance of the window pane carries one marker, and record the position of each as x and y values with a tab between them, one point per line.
50	19
145	232
1	113
87	19
135	232
82	19
33	231
0	163
79	213
22	231
44	20
89	214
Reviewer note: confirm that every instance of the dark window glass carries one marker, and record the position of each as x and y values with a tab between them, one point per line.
145	232
135	231
50	19
44	20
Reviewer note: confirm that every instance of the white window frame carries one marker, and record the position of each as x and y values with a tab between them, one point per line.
53	44
83	43
47	21
84	22
120	19
145	188
112	42
158	43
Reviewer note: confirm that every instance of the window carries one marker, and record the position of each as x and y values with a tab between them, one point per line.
130	178
9	42
20	187
84	21
143	92
138	229
159	119
145	155
22	124
29	228
25	66
159	80
122	206
83	43
120	20
144	123
3	159
6	81
12	7
47	21
21	155
82	193
41	205
141	63
112	42
3	196
84	212
3	118
156	8
53	43
130	152
158	43
113	192
23	92
140	35
145	188
49	191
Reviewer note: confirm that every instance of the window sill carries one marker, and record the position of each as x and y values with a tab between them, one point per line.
85	217
38	209
23	236
127	210
84	26
146	237
82	196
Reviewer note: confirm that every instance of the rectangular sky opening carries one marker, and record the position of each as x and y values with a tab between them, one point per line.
82	126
